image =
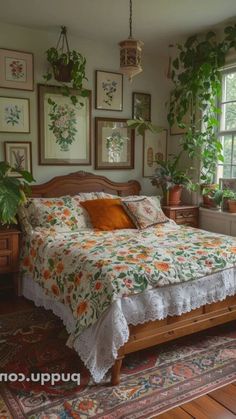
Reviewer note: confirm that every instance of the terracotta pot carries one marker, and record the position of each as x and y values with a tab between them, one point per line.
208	202
232	205
174	195
62	72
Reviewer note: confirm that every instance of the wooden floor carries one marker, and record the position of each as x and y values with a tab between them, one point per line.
219	404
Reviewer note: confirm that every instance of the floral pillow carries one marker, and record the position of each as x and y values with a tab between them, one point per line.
145	212
60	214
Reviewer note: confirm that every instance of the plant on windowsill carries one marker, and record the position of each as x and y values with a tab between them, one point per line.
67	67
212	196
13	192
171	180
197	86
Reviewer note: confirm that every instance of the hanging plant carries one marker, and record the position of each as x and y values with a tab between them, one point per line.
197	87
66	67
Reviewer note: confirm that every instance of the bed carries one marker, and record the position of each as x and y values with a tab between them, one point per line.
207	301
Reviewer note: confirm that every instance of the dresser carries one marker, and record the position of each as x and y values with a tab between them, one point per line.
9	258
183	214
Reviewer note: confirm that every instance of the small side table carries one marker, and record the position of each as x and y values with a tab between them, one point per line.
9	256
183	214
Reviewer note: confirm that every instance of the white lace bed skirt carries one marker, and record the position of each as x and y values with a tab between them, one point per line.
98	345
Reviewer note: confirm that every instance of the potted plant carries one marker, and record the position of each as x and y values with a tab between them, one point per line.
171	180
67	66
211	195
227	194
13	192
230	198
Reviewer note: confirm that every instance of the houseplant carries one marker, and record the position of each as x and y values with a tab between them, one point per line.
197	86
141	125
67	66
13	192
171	179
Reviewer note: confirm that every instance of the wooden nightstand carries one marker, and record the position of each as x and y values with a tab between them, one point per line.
9	258
182	214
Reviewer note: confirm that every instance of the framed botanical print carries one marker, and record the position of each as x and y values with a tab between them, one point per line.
64	128
16	69
114	144
19	155
141	106
14	115
154	148
109	91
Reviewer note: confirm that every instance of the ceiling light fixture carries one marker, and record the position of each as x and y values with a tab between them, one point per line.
130	53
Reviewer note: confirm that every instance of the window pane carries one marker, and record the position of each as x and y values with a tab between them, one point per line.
233	171
224	171
228	116
230	87
227	148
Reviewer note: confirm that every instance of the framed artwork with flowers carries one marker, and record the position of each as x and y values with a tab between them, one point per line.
64	128
14	115
154	148
109	91
114	144
19	155
16	69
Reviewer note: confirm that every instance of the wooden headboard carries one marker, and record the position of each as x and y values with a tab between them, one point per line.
84	182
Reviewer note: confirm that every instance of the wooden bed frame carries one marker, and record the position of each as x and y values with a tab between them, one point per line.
153	332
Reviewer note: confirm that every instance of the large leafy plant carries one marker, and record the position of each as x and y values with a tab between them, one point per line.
13	192
197	87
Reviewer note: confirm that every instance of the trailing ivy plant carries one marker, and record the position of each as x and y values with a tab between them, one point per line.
197	88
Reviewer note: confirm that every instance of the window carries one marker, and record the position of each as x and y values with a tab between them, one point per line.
227	132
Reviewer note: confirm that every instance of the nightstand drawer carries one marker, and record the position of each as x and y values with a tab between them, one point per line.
4	243
185	214
5	261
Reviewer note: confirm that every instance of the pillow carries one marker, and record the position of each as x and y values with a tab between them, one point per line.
60	214
107	214
146	212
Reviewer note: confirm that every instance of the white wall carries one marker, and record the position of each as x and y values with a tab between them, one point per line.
99	56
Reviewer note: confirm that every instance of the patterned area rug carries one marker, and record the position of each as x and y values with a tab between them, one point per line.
152	382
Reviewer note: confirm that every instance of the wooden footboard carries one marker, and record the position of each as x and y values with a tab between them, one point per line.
154	332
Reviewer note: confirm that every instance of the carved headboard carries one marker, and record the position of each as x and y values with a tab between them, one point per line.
84	182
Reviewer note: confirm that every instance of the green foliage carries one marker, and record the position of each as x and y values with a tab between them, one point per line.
76	64
197	87
168	175
143	125
12	192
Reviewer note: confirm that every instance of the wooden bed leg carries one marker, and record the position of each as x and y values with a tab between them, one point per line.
115	372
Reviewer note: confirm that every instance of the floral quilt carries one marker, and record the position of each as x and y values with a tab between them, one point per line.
88	270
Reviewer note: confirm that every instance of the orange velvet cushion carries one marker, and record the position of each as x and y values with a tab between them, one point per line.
107	214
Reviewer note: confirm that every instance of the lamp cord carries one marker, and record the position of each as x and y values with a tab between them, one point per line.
130	19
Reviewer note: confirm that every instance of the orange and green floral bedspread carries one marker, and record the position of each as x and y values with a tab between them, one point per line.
88	270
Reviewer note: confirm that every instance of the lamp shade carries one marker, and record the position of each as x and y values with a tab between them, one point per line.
130	57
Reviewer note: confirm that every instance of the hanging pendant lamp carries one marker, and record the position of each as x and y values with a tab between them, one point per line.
130	53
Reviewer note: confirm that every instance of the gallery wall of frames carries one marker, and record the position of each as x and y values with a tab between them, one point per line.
43	132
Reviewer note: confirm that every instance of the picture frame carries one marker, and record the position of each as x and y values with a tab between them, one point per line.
64	128
19	155
228	184
16	69
154	147
114	144
108	90
141	106
14	115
